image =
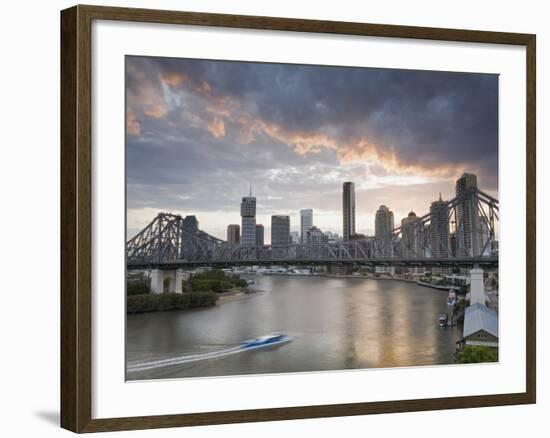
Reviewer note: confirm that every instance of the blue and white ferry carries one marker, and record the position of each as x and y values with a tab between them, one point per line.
266	341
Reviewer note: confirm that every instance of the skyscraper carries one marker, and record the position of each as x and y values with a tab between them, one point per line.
484	234
412	232
440	239
306	222
348	209
383	228
233	234
467	221
248	221
280	230
259	235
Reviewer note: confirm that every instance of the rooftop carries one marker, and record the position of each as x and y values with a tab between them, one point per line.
479	317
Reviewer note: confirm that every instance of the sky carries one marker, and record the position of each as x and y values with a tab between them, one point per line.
199	133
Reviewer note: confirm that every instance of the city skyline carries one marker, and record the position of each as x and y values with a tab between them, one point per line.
196	140
440	231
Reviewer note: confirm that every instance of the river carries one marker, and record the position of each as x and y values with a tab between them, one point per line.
335	323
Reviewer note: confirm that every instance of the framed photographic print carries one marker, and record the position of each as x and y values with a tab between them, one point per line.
268	218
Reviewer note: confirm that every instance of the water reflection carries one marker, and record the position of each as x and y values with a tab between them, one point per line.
336	323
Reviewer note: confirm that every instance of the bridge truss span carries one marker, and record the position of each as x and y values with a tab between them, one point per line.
462	231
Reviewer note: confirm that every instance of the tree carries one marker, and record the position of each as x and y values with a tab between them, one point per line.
139	287
477	354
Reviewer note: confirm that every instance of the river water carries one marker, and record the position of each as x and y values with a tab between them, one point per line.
335	323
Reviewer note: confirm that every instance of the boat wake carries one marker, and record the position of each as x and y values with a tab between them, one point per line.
143	366
240	348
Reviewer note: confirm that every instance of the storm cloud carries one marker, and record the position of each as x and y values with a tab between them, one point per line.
200	132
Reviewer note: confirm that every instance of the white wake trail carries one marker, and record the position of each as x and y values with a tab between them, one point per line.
184	359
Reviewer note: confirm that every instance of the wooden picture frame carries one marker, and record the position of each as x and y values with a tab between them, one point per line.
76	217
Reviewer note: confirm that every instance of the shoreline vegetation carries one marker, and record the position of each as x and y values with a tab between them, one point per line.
476	354
203	289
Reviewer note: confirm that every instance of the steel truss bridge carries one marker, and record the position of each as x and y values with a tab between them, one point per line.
459	232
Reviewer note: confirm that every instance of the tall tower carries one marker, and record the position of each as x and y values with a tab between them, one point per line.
383	228
280	230
306	222
467	221
440	239
248	221
348	209
411	236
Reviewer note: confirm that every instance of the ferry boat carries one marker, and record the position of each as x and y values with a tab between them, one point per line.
451	298
266	341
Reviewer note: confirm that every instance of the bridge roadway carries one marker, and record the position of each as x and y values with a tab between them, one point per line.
485	261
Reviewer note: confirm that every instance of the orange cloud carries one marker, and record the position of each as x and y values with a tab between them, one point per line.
363	150
133	126
353	150
173	79
216	127
177	80
156	111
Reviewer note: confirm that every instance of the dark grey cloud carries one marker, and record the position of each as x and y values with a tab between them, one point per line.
207	129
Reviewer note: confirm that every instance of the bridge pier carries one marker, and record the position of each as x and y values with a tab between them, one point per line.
477	287
157	281
158	276
177	281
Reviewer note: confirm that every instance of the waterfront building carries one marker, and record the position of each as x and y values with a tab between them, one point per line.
439	229
333	237
467	218
306	222
280	230
480	326
233	234
259	235
335	269
384	270
314	236
348	209
248	221
383	229
295	237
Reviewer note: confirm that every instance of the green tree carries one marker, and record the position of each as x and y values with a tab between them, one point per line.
477	354
169	301
215	280
138	287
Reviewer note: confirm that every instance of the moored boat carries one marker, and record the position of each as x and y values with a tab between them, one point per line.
451	298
